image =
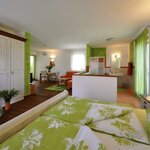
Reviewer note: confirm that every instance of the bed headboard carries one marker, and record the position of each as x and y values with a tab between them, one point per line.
95	87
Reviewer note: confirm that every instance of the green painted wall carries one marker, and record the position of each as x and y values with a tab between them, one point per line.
94	52
98	52
88	54
27	64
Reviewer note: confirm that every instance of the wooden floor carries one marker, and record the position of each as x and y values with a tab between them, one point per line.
42	95
28	102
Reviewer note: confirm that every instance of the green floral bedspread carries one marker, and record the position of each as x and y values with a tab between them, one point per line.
73	110
47	133
82	124
44	133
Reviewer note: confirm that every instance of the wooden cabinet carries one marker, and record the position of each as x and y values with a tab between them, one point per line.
12	65
17	66
5	52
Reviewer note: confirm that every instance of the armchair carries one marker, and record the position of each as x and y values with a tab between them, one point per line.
67	79
69	74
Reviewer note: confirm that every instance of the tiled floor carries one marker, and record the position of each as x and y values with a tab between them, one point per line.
127	97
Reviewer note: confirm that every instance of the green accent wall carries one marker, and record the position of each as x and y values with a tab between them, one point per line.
88	54
99	52
132	51
27	64
94	52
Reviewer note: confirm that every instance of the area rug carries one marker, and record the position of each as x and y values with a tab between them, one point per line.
120	89
56	88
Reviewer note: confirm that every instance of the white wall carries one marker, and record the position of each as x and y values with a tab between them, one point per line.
123	50
33	52
62	61
63	58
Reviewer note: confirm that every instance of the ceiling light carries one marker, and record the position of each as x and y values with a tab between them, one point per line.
110	39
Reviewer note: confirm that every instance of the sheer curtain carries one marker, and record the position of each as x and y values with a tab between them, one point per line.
140	63
78	61
148	68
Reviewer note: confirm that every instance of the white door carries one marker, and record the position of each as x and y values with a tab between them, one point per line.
101	65
97	65
5	46
94	65
17	67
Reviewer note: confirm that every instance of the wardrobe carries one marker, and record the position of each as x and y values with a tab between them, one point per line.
12	63
97	65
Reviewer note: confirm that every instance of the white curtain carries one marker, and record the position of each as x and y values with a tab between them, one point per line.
148	69
94	66
78	60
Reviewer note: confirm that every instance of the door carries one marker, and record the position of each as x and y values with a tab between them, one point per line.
97	65
101	65
17	67
5	45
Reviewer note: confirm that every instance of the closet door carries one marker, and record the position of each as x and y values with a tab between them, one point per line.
101	65
5	46
17	67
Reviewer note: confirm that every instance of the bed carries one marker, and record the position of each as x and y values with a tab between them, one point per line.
95	87
70	123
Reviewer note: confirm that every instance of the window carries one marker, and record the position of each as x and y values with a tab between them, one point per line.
78	61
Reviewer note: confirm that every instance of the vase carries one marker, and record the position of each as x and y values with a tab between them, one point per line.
7	106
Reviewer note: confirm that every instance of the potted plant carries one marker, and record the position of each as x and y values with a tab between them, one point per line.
49	68
51	65
7	95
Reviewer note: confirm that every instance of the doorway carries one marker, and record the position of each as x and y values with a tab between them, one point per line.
32	65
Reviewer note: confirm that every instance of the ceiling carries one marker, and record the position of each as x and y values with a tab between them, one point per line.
70	24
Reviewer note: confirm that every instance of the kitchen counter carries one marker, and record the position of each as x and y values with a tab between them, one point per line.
122	80
103	75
